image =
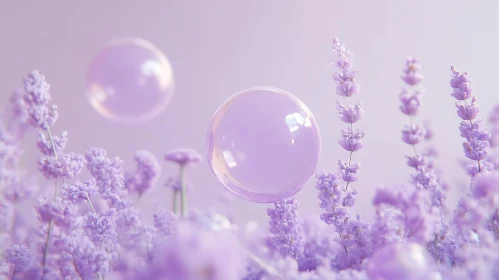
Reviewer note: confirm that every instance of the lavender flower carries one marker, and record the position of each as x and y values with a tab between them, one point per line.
346	87
67	166
101	228
413	135
477	138
411	103
19	256
58	211
350	140
183	156
485	185
45	145
461	85
164	222
37	97
146	174
412	76
217	256
419	221
350	114
108	176
349	173
468	112
286	228
79	191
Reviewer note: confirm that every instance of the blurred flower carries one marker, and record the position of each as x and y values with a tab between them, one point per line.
411	72
183	156
286	228
146	175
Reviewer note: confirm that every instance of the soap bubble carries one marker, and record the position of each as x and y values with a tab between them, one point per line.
263	144
129	81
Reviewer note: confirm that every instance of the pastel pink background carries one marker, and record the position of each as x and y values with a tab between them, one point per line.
217	48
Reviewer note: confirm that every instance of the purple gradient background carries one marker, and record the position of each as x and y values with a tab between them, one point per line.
217	48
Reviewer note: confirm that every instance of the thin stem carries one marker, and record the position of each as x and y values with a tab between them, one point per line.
175	198
413	145
436	248
90	204
349	163
344	247
14	272
471	124
183	198
351	153
51	223
47	242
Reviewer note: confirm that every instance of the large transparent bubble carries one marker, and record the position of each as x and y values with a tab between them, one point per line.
263	144
129	81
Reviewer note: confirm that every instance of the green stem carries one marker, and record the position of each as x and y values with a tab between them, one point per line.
174	204
183	197
90	204
51	223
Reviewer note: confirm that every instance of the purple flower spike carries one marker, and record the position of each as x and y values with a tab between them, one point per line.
37	98
468	112
413	135
183	156
346	76
461	85
285	225
411	72
37	89
477	138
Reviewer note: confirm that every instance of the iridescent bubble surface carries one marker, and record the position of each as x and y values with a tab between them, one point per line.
263	144
129	81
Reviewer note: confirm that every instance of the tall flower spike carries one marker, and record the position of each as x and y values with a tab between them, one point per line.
476	144
411	103
346	87
43	115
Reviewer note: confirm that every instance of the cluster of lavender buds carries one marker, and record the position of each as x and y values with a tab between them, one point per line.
476	137
59	224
